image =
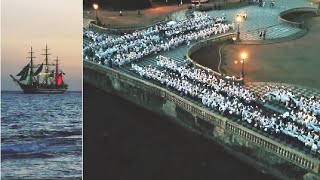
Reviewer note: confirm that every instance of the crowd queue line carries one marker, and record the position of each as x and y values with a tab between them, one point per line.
301	124
120	50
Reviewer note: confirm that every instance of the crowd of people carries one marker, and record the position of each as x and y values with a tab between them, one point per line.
301	111
237	101
133	46
310	105
301	122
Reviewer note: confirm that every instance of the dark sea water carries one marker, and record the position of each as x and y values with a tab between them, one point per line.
41	136
123	141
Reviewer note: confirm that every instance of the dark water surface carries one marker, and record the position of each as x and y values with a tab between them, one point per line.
123	141
41	136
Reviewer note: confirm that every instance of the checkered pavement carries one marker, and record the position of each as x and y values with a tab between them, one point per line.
177	54
273	32
260	88
263	18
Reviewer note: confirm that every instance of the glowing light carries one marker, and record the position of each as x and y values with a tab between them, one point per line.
236	62
95	6
244	55
238	19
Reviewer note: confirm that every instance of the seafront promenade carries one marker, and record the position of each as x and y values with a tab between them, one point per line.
274	140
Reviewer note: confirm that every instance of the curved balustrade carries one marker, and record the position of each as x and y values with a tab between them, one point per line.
131	29
295	10
207	42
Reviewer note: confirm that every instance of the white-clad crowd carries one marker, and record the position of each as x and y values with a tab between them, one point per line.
207	79
301	122
230	99
133	46
281	94
303	113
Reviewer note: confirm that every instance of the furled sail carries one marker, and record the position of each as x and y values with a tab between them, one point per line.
24	71
39	70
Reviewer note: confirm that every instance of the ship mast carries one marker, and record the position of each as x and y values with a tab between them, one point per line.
57	70
31	63
46	68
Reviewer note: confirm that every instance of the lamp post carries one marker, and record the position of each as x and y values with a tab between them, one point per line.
238	33
96	7
243	56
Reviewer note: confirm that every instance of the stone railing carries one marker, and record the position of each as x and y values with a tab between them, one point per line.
208	42
131	29
221	6
294	10
294	156
147	86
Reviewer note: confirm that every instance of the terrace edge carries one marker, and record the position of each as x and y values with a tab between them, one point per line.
260	151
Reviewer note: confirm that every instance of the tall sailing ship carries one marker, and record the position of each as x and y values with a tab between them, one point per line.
43	79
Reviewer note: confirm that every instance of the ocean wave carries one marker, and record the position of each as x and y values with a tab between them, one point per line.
41	134
35	149
67	133
27	155
14	126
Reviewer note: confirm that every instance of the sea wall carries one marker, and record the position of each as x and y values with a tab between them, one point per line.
262	152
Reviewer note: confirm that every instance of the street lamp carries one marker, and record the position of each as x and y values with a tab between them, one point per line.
243	56
96	7
238	33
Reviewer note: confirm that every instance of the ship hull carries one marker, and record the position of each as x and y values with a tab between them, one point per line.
43	91
41	88
28	89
